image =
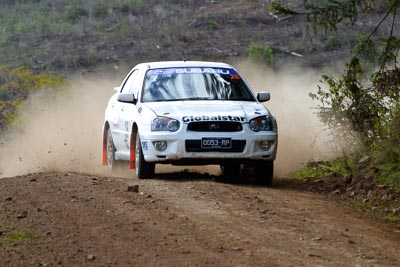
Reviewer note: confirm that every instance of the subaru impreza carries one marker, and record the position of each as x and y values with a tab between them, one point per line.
189	113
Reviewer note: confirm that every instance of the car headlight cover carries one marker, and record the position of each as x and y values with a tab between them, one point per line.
262	123
164	124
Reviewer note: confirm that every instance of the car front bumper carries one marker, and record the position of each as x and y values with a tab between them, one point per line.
185	147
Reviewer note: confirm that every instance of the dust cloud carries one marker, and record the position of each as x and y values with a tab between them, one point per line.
59	132
62	132
302	137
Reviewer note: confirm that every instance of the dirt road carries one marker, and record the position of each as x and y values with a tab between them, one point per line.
182	219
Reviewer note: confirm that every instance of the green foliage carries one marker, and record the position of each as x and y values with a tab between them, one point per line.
370	109
310	173
340	167
4	96
279	9
380	210
332	42
366	48
135	2
128	6
213	24
74	13
260	52
393	219
389	175
16	85
10	237
366	207
101	10
326	15
16	237
387	148
68	26
362	105
101	27
358	101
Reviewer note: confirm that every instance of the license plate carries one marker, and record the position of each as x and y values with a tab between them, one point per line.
216	142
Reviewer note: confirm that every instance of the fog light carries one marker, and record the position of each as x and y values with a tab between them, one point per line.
160	145
266	145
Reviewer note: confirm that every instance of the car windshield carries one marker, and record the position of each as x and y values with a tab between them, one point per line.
174	84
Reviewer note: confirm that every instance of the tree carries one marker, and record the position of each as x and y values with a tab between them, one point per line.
364	99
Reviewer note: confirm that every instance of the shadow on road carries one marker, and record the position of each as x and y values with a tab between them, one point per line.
185	175
245	179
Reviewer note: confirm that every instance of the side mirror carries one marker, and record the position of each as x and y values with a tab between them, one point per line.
117	89
263	96
127	98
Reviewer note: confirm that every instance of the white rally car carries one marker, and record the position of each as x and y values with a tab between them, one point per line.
189	113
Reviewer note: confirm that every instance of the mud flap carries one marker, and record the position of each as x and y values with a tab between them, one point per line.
132	154
104	158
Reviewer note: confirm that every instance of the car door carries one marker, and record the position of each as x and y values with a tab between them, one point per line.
128	113
120	128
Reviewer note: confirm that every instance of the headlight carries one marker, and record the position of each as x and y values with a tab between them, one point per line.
164	124
262	123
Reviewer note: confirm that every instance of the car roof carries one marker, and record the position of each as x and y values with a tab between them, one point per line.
180	64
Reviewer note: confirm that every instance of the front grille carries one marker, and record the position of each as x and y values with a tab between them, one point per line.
195	146
215	126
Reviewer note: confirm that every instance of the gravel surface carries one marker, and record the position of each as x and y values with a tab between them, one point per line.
182	218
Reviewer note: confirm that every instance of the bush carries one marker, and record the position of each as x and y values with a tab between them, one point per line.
16	85
75	12
389	175
332	43
213	24
101	27
260	52
129	6
387	149
4	95
100	10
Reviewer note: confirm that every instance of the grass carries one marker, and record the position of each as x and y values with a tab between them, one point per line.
389	175
33	23
318	170
365	207
11	238
393	219
41	33
17	237
213	24
380	211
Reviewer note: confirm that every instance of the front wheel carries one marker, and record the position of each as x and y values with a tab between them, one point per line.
264	172
144	169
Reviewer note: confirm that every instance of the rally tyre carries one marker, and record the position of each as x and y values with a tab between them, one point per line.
230	170
110	151
144	170
264	172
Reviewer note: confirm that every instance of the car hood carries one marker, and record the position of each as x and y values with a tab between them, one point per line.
187	111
